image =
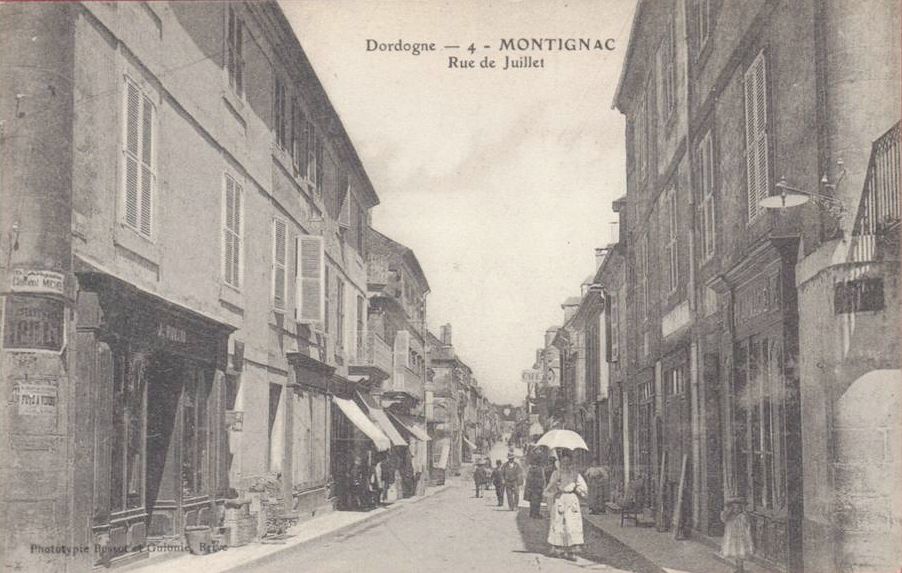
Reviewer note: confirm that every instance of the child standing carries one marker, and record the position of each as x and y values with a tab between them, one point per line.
737	535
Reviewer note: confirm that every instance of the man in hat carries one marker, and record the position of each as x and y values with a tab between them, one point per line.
513	479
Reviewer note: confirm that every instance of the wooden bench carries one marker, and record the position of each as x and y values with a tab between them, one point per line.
628	506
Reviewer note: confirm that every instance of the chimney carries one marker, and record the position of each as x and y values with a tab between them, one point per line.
446	334
600	255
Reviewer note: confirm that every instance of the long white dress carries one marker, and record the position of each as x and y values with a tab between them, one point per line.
565	527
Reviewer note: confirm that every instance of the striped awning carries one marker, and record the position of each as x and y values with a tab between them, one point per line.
357	417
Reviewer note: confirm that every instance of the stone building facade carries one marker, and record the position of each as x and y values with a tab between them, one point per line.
745	371
189	191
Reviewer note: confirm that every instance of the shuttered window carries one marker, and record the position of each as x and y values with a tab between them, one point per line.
642	272
139	157
705	163
402	350
298	145
667	70
279	262
670	235
280	119
233	223
235	52
703	11
340	314
312	170
361	328
310	279
319	166
345	201
758	171
640	135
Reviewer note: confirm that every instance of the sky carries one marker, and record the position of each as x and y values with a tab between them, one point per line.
501	181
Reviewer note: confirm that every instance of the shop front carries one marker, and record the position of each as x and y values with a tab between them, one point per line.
159	447
358	445
763	401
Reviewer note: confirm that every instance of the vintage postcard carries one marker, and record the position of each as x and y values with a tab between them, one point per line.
431	285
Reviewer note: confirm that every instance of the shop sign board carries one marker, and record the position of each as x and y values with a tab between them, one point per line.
37	281
37	398
34	324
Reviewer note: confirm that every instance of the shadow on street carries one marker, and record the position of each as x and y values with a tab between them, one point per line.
599	548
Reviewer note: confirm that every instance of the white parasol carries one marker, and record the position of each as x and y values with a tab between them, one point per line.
566	439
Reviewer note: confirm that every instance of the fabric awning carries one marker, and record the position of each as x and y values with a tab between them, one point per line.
378	416
410	426
470	444
363	423
445	452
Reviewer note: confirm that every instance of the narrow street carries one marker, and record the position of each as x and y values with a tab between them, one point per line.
453	531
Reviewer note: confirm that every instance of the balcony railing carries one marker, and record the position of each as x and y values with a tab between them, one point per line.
406	380
376	353
878	209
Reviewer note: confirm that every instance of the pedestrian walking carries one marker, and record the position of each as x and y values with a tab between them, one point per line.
498	482
737	535
535	487
478	478
565	529
513	478
387	470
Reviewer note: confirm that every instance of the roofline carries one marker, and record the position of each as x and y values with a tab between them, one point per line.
409	256
640	5
320	92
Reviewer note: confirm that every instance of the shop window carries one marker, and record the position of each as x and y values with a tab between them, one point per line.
195	433
758	400
127	439
139	158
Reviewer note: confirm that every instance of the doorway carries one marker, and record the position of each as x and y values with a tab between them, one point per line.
165	376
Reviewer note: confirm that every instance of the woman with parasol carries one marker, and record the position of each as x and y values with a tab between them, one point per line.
566	486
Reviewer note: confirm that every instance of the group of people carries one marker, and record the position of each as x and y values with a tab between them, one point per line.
558	483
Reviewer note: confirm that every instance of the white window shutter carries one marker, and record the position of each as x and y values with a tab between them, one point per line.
756	134
310	286
344	214
280	255
147	175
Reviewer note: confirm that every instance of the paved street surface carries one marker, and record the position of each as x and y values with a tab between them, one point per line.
452	531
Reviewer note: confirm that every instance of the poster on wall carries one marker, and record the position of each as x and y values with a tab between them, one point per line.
36	398
34	324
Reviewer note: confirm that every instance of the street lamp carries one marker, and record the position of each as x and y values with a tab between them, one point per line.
789	196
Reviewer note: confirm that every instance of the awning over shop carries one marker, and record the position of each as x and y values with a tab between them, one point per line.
363	423
378	416
410	426
443	458
470	444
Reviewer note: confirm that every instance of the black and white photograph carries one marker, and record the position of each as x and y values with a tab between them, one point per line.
407	286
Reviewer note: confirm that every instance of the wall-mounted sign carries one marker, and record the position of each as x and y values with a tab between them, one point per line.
34	323
37	281
36	398
172	333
